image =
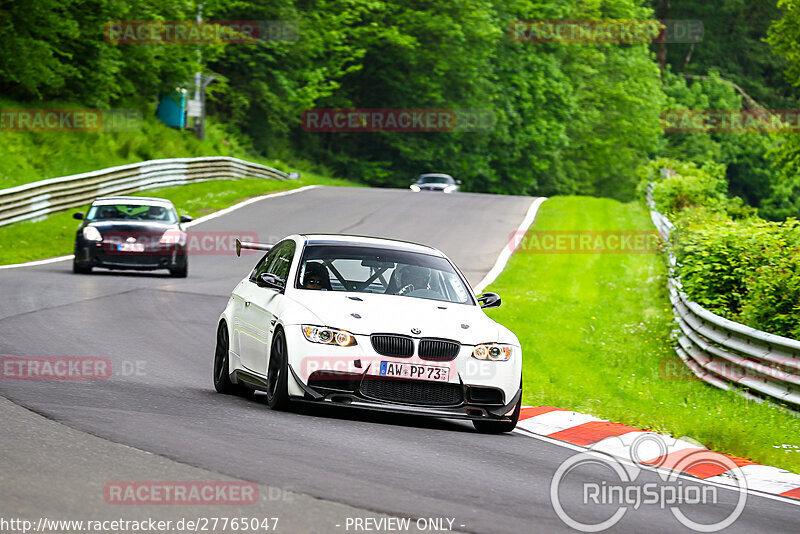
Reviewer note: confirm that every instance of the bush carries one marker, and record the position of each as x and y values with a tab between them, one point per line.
721	262
773	303
687	186
729	260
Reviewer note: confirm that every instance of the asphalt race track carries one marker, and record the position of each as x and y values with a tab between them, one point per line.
159	334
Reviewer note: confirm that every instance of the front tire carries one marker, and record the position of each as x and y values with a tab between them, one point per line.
77	268
277	373
499	427
179	272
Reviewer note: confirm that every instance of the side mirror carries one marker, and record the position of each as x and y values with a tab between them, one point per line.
489	300
185	219
459	182
78	216
271	281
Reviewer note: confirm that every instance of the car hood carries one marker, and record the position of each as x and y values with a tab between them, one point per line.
132	228
392	314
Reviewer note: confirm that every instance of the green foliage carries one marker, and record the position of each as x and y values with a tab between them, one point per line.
569	117
748	170
615	309
747	271
774	298
686	186
733	44
728	259
30	156
56	50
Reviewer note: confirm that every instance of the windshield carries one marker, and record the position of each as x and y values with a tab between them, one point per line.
381	270
132	212
435	180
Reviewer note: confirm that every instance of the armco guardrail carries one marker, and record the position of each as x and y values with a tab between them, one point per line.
722	352
37	199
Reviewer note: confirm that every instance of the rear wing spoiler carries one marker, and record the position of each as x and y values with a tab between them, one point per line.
249	245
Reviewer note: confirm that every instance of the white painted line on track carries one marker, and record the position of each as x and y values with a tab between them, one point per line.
502	260
37	262
247	202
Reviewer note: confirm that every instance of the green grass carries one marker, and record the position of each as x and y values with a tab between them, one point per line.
595	330
31	156
55	235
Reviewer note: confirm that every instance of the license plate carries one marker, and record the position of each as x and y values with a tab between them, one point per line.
418	372
130	247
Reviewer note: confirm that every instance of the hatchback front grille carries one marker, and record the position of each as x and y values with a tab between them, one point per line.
439	350
416	392
392	345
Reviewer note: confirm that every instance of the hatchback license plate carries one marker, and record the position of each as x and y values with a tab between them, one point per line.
130	247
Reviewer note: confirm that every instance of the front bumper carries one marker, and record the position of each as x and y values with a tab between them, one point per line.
357	399
348	376
101	254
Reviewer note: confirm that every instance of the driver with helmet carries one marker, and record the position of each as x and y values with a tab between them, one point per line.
413	278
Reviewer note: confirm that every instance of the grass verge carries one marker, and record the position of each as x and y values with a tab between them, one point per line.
55	235
596	328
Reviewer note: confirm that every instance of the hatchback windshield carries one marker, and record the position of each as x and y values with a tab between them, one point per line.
381	270
132	212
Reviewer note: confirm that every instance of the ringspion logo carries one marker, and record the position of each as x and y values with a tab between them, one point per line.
607	497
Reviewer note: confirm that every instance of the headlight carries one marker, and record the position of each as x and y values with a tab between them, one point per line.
328	336
173	237
450	188
493	352
90	233
415	188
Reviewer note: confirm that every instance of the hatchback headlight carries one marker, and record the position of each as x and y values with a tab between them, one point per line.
493	352
90	233
328	336
173	237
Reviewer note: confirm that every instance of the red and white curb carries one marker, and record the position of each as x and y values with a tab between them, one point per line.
655	450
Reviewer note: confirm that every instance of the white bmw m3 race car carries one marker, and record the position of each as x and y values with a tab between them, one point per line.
368	323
